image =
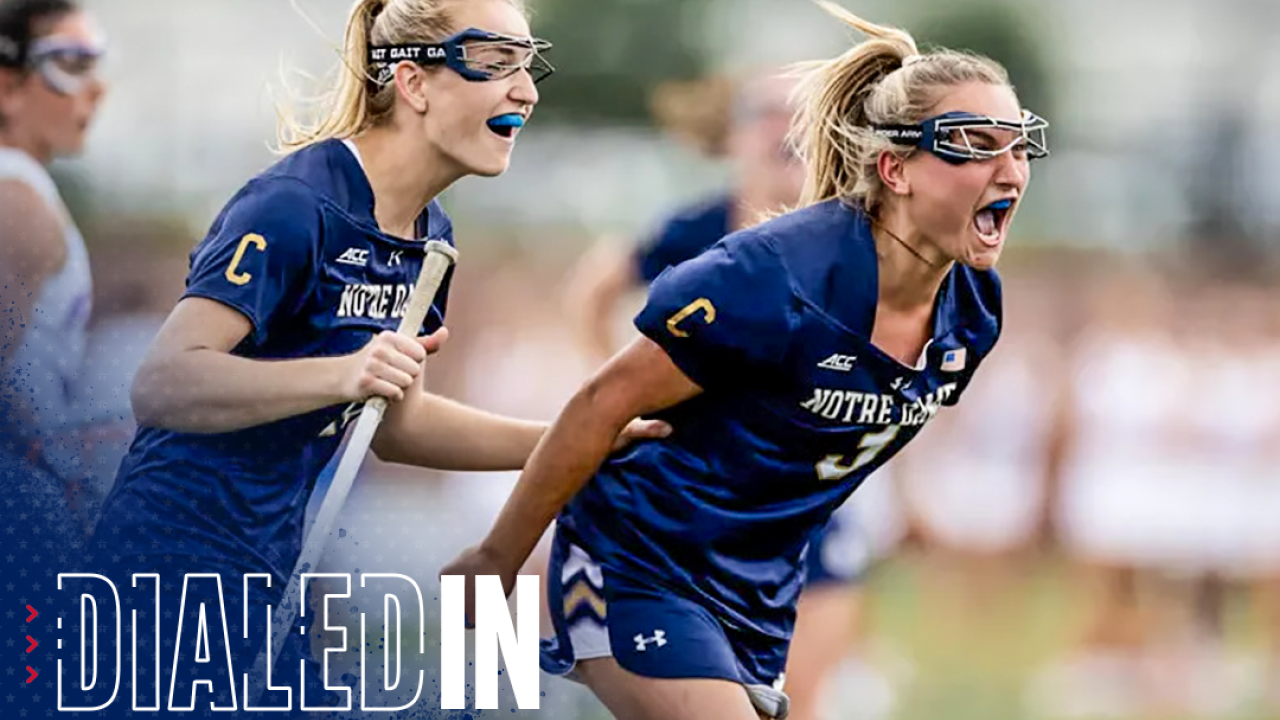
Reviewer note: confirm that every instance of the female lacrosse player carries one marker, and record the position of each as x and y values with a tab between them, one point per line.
246	392
49	94
680	561
746	121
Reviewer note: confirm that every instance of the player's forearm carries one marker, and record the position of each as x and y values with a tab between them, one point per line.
205	391
446	435
566	459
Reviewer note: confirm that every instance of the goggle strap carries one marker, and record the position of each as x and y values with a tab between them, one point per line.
384	58
422	54
910	135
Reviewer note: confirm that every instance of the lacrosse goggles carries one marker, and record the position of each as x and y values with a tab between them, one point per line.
476	55
958	137
65	65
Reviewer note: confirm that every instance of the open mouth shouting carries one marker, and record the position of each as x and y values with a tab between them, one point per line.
991	221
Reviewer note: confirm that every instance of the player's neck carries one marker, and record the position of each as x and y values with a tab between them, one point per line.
911	269
404	179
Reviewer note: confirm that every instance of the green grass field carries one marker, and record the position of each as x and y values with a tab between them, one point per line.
966	657
975	663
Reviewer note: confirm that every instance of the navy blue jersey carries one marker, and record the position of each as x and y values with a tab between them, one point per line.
684	236
298	252
774	322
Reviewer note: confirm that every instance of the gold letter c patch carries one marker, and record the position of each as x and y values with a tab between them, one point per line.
703	304
242	278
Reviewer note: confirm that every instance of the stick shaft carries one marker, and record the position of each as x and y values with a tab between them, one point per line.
439	258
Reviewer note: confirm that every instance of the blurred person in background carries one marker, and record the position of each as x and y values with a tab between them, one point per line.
692	548
744	120
50	91
1168	500
1266	541
1225	517
1118	425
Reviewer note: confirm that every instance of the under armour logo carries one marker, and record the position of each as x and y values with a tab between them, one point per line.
395	258
659	638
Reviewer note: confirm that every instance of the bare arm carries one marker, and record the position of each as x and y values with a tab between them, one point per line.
432	431
641	379
596	285
31	249
190	381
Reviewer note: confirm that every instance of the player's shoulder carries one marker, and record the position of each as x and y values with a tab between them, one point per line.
829	257
276	194
728	308
278	205
296	183
818	236
323	171
683	235
815	251
329	176
751	251
743	270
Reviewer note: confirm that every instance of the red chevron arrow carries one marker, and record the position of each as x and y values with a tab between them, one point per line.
33	614
34	674
33	643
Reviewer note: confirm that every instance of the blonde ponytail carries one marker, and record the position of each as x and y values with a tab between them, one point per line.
344	110
356	103
871	83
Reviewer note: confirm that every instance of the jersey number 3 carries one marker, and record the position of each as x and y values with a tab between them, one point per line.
838	467
233	274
